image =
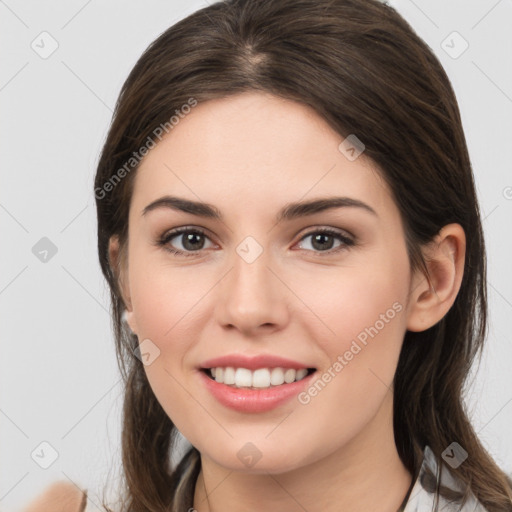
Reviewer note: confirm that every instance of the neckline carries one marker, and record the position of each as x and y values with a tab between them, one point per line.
401	508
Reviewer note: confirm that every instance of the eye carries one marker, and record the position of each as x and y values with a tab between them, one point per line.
323	239
191	241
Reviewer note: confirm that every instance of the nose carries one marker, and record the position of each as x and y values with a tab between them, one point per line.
252	298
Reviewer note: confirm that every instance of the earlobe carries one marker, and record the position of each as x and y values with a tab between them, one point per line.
129	320
444	257
118	266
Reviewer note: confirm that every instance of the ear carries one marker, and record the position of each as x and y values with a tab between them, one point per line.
444	257
119	265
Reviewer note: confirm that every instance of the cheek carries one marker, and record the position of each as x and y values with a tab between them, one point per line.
361	323
169	307
164	298
165	302
365	311
350	299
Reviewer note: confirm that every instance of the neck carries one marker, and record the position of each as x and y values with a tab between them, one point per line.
365	474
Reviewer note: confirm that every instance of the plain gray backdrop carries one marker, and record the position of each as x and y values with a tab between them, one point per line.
63	63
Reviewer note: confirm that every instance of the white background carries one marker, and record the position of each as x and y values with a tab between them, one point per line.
59	380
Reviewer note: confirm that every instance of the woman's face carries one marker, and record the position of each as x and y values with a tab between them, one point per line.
260	279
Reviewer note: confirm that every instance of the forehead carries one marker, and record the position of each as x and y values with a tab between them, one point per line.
255	149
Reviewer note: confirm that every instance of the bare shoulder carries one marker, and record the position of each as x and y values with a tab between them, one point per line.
59	497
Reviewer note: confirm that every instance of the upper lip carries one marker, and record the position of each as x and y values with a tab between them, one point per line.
252	362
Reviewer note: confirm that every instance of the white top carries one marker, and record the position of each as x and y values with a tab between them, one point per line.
423	500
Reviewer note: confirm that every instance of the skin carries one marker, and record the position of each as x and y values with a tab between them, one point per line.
249	155
61	496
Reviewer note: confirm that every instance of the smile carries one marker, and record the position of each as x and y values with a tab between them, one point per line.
254	399
260	378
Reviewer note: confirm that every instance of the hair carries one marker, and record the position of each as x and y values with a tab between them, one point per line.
364	70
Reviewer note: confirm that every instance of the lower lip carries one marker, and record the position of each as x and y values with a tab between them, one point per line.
254	400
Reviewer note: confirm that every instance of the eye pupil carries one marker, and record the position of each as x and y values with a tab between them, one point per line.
189	238
322	236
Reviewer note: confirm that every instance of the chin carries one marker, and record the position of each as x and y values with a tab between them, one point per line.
259	457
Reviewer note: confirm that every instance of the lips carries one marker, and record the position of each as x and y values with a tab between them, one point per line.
251	399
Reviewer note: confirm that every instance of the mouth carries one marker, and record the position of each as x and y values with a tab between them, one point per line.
260	378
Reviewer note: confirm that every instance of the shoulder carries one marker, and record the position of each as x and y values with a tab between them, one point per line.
433	474
59	497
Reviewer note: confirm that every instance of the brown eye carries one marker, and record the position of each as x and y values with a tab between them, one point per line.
323	241
192	240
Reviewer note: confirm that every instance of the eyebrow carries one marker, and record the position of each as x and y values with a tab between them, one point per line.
289	212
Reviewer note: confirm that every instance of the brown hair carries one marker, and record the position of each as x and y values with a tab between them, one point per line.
364	70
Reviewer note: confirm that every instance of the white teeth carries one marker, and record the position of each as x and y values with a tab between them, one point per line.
260	378
243	378
277	377
301	374
229	375
289	375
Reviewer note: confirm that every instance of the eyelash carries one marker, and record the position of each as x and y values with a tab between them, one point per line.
167	237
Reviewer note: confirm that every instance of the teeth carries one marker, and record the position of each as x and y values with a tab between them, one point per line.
289	375
229	375
243	378
260	378
277	377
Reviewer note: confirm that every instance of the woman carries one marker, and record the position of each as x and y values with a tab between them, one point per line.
288	224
